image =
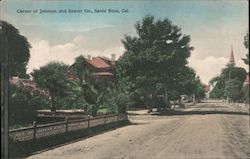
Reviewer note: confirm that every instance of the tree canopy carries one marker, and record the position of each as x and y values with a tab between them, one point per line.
53	78
230	82
79	68
154	59
17	48
233	89
87	90
220	83
246	43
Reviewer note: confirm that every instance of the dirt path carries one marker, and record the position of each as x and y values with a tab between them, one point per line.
204	131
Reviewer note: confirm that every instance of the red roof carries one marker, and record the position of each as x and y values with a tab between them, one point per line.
109	61
98	62
103	74
105	58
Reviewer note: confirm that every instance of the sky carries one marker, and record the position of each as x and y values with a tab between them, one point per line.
213	25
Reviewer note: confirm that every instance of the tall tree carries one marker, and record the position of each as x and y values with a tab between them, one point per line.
79	68
218	83
230	72
246	61
17	48
52	77
86	84
233	89
154	57
199	91
246	43
185	81
227	74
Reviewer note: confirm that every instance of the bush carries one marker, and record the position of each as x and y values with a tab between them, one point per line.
118	101
113	100
23	106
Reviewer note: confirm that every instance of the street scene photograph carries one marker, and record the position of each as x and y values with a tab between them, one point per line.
125	79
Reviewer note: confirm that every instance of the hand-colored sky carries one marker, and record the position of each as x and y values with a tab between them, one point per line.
213	26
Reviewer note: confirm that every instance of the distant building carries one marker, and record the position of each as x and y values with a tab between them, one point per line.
27	85
207	90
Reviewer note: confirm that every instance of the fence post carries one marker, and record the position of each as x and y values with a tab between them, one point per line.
88	121
34	128
66	124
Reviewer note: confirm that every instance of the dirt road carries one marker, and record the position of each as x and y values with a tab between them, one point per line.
204	131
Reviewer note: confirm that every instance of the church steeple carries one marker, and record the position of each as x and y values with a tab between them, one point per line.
231	60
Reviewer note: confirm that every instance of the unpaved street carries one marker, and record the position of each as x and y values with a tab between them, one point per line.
210	130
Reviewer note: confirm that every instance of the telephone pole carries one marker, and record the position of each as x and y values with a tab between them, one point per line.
4	58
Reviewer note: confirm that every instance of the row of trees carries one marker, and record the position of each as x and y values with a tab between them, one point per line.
230	83
152	71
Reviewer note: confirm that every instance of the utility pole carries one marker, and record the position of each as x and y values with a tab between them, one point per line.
4	58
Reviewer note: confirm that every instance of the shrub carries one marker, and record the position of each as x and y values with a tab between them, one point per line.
23	106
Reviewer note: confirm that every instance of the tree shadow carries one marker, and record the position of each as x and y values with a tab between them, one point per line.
32	147
136	114
138	123
206	106
198	112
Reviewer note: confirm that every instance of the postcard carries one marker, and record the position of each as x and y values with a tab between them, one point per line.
124	79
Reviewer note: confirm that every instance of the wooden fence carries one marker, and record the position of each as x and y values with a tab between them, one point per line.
61	114
39	131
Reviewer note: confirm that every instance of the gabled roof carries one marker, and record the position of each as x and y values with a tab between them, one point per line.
109	61
98	62
27	85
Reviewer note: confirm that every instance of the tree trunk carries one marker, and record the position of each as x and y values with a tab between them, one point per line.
147	103
53	104
181	104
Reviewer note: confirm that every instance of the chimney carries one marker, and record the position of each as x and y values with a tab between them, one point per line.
113	57
89	57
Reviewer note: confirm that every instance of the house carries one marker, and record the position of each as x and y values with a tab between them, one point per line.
206	88
27	85
100	67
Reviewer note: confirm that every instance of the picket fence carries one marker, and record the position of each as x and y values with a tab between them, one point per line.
39	131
